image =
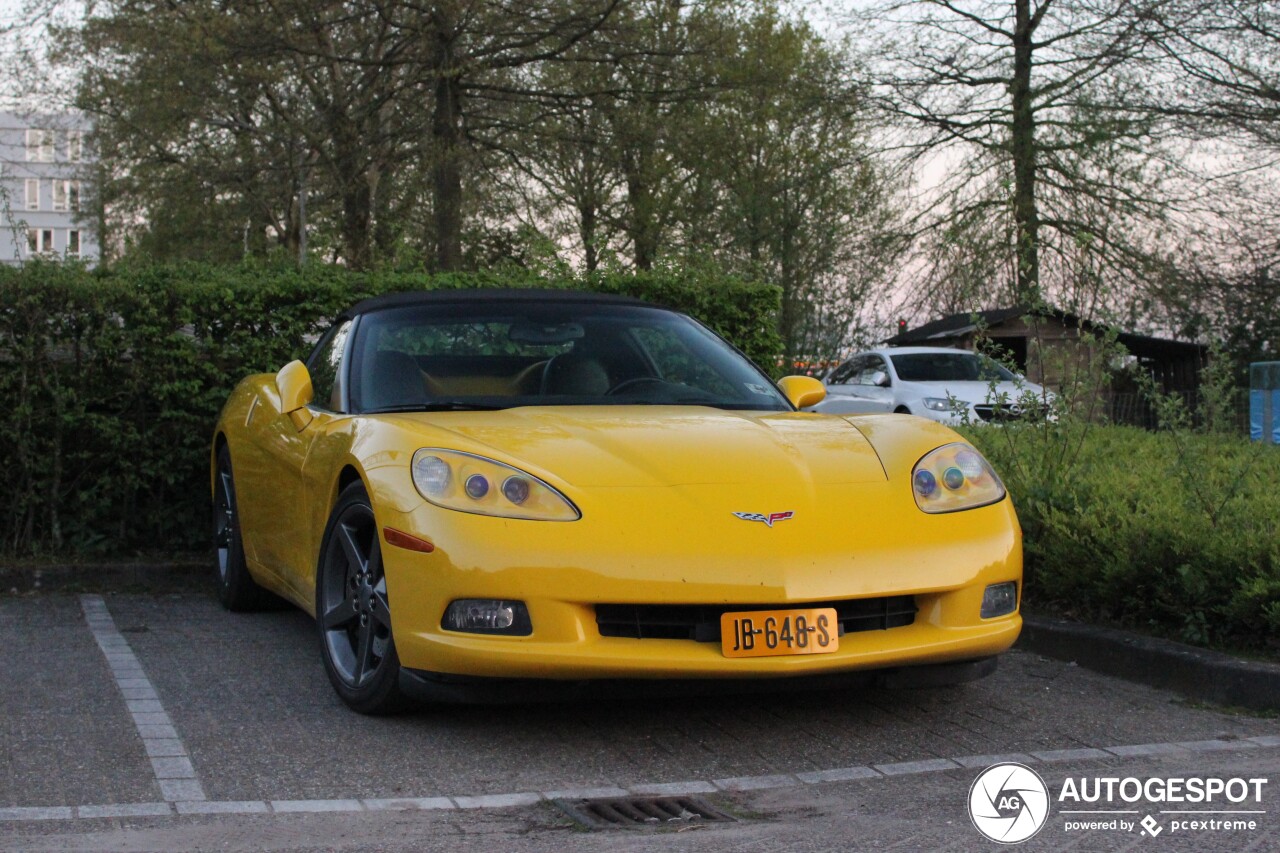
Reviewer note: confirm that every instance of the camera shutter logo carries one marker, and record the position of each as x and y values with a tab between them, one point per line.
1008	803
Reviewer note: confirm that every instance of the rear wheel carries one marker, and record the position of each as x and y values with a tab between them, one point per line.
352	610
237	589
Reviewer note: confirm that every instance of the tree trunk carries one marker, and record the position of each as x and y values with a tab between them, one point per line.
641	227
587	230
259	223
446	129
792	290
350	167
1022	143
356	202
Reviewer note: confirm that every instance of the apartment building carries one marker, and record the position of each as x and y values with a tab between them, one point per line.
44	167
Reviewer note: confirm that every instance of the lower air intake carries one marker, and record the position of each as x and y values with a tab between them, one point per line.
702	622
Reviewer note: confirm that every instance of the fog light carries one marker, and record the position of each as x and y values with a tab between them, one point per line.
487	616
999	599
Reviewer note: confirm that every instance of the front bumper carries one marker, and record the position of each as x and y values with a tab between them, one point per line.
561	571
466	689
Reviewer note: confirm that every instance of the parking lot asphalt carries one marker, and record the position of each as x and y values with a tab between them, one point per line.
268	746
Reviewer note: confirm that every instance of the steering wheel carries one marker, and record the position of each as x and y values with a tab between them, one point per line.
633	382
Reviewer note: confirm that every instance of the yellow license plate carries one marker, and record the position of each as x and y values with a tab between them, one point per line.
760	633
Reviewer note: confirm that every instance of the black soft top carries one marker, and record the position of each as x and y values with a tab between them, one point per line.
488	294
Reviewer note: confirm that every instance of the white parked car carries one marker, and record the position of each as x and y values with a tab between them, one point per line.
943	384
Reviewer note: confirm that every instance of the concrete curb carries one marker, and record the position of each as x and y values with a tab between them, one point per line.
1196	673
107	577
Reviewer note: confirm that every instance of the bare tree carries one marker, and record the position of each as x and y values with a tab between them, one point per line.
1026	100
1221	64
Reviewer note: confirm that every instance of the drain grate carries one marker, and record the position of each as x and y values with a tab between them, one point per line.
642	812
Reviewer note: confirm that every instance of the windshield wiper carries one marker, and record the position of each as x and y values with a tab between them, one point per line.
435	406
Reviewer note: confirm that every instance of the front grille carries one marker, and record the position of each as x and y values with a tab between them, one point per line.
701	622
1009	412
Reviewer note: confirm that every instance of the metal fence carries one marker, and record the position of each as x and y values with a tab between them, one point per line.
1135	409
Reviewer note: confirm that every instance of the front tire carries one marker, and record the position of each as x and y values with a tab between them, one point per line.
237	589
352	610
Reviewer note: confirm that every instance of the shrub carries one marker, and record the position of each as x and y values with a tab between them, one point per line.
1128	537
112	380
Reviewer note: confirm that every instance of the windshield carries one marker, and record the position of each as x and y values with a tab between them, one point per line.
492	355
948	367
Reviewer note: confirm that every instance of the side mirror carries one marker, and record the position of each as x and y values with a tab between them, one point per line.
880	379
294	384
802	391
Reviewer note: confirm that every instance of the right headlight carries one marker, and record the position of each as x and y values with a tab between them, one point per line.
954	477
469	483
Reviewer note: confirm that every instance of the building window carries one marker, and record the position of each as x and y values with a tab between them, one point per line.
73	194
73	243
60	195
75	145
33	194
40	145
40	240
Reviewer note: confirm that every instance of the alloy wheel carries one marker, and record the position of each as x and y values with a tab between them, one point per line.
355	619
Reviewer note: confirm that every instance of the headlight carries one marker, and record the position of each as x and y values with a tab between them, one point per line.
954	477
470	483
940	404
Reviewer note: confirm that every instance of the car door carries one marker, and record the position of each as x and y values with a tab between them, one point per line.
268	466
873	385
838	381
845	394
278	518
327	438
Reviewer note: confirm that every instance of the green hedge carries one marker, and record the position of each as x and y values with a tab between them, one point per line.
111	380
1170	532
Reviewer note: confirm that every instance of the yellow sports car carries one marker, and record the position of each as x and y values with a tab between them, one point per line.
504	494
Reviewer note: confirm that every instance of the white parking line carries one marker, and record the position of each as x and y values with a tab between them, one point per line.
169	761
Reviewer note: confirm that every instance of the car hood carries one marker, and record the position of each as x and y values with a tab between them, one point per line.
636	446
972	392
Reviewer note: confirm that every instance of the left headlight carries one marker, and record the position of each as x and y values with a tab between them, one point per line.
469	483
954	477
941	404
